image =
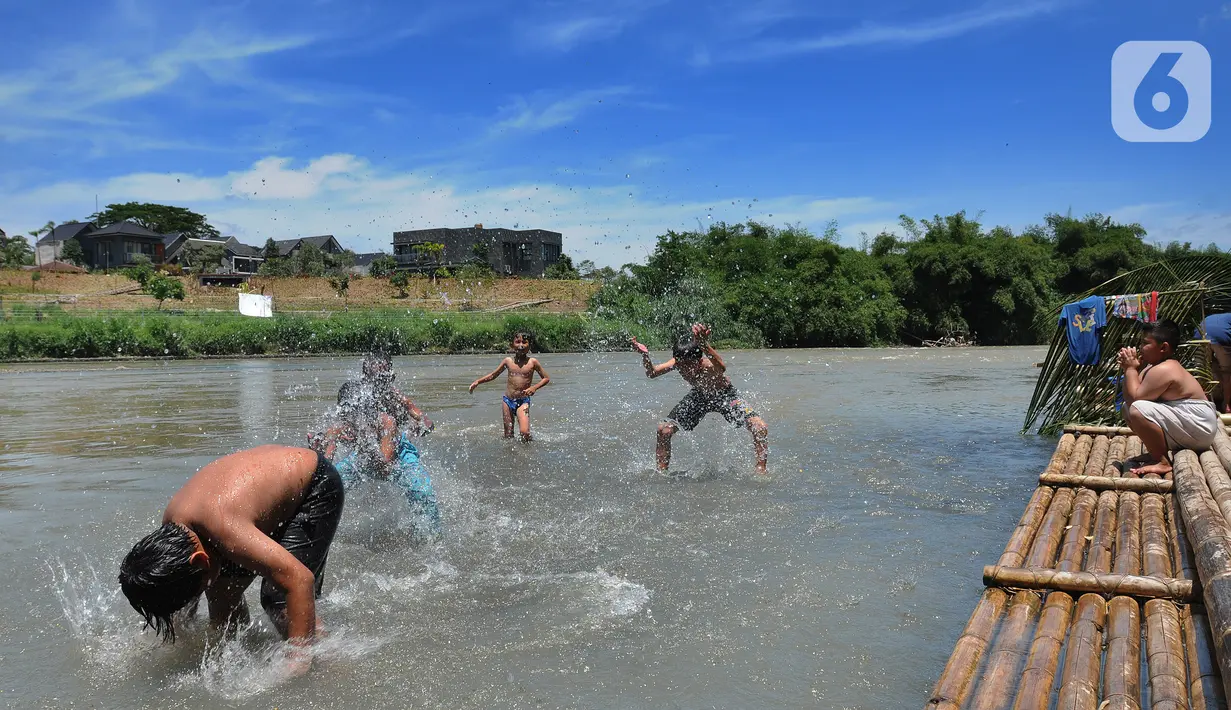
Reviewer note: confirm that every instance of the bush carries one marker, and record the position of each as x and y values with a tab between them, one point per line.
382	266
164	287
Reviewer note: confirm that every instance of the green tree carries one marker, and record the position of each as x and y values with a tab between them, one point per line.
562	269
309	260
163	287
164	219
401	281
1095	249
15	251
72	252
339	262
35	277
382	266
202	259
141	271
270	251
341	285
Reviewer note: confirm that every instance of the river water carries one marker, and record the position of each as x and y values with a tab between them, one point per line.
570	574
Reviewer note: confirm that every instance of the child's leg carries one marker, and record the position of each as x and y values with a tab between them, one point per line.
523	421
1153	440
508	420
760	441
662	454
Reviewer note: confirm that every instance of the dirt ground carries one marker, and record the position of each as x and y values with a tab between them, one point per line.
111	292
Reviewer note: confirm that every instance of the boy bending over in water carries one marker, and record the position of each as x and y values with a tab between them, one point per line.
1167	409
712	391
269	511
518	390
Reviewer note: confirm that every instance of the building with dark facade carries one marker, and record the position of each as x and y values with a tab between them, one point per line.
109	247
510	252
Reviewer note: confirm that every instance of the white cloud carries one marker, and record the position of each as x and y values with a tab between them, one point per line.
869	34
565	35
363	205
539	114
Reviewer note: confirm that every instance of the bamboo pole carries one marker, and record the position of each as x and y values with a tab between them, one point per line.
1101	542
1205	690
1080	456
1220	485
1004	663
1182	590
1098	456
953	686
1128	535
1097	430
1034	690
954	683
1165	656
1222	448
1155	549
1078	534
1079	683
1122	674
1102	483
1212	550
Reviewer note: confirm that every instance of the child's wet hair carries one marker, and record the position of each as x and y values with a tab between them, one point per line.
525	335
378	366
1166	331
686	348
158	578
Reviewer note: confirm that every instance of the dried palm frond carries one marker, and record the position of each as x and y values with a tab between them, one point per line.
1189	289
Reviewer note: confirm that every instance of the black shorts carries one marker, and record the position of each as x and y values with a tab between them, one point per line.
696	404
307	534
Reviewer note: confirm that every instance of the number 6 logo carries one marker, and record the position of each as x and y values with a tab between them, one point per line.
1160	92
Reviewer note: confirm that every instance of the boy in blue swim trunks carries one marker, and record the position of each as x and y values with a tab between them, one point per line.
701	366
519	388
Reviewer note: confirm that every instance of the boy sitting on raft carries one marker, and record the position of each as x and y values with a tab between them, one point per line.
700	366
269	511
1166	406
518	389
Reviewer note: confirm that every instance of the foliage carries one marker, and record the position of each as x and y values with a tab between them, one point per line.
382	266
1085	394
15	251
473	273
429	251
309	260
35	277
202	259
481	250
277	266
163	287
270	251
159	334
163	219
562	269
340	284
141	271
72	252
339	262
401	281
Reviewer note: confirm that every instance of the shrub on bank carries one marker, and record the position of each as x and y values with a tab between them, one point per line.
51	333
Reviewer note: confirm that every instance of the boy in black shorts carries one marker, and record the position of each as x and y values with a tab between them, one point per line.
712	391
269	511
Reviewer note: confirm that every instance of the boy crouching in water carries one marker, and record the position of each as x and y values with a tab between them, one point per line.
712	391
518	390
1166	406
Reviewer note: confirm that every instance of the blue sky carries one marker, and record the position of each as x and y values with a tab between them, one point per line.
609	121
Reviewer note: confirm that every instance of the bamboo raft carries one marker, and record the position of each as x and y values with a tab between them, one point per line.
1114	591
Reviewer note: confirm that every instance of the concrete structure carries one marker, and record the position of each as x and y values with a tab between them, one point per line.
510	252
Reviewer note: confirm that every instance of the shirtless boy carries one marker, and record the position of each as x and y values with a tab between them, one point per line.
1167	408
519	388
269	511
712	391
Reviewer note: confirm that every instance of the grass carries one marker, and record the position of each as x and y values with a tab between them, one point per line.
45	331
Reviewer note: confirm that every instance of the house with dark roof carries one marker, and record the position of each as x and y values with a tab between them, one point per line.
326	243
512	252
109	247
363	263
237	258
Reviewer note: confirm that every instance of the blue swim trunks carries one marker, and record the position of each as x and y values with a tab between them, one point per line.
513	404
406	473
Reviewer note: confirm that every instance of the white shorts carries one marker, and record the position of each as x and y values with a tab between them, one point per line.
1187	423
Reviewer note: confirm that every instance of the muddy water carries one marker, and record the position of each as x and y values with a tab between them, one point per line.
570	574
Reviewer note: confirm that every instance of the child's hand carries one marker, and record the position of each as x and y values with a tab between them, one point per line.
639	347
473	385
1128	358
701	332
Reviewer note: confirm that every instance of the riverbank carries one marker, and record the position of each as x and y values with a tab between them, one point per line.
57	335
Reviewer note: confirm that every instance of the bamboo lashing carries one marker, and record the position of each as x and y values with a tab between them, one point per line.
1212	551
1181	590
1100	483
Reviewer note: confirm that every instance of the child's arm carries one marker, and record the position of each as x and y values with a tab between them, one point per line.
1150	387
652	370
415	413
488	378
543	379
702	333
